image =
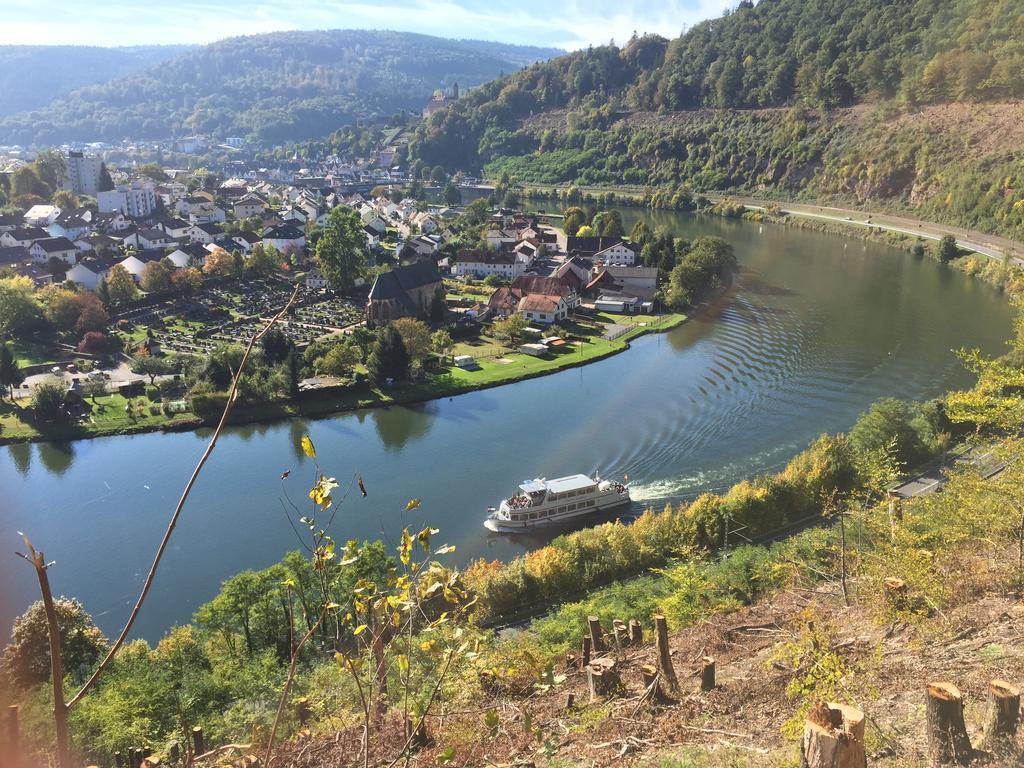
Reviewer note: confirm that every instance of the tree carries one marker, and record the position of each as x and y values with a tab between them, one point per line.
93	343
156	277
339	360
48	400
586	231
120	285
438	306
187	281
220	263
948	249
508	330
452	195
341	251
263	260
388	357
92	315
19	310
11	375
152	367
65	199
60	306
705	266
415	337
437	174
106	182
276	346
442	343
26	659
891	427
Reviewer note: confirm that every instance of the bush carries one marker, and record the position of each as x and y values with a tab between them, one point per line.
208	404
153	393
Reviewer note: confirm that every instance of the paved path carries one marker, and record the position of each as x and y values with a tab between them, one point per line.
988	245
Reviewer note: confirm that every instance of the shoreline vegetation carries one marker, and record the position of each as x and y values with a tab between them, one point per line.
456	381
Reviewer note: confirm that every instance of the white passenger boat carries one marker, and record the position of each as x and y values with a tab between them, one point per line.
549	502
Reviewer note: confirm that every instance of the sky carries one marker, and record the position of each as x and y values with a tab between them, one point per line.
570	25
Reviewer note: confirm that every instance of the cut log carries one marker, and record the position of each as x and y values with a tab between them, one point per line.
596	636
668	674
1003	718
947	735
603	678
636	632
833	737
707	674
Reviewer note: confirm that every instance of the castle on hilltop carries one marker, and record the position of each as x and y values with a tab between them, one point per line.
439	100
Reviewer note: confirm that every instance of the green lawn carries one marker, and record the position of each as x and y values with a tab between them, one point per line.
33	352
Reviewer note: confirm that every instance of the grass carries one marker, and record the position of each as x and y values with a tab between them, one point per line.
32	352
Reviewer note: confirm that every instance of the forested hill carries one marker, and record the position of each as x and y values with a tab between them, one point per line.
33	75
811	97
274	87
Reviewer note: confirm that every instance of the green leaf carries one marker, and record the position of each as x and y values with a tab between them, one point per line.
446	756
307	447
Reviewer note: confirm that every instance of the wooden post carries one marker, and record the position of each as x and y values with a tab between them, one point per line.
1003	718
707	674
585	656
668	674
833	737
12	734
570	701
947	735
596	636
636	632
603	678
198	741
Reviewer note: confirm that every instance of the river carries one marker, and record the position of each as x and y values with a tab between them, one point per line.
816	329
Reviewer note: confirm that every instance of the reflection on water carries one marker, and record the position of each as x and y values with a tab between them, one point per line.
813	331
56	457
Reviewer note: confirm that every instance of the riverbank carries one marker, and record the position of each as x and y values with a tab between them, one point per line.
111	417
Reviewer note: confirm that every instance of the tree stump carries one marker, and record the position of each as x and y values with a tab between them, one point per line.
668	674
596	636
12	733
570	701
603	678
833	737
636	632
199	743
707	674
1003	718
652	683
897	594
620	632
418	733
947	735
572	661
585	655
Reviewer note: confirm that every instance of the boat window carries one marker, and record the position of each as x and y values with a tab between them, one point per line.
561	509
533	515
517	517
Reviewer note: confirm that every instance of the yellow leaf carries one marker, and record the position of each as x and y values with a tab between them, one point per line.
359	630
307	447
406	549
413	504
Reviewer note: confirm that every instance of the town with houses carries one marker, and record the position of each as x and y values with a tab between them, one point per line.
227	252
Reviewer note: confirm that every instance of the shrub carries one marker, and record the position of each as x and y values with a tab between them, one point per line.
93	343
48	401
208	404
153	393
